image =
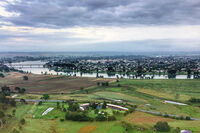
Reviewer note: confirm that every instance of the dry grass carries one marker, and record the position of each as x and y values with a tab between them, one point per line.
39	84
144	119
87	129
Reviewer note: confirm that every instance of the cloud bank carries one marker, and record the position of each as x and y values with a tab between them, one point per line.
92	24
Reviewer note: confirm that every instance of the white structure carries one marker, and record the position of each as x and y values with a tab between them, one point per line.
47	111
15	95
117	107
172	102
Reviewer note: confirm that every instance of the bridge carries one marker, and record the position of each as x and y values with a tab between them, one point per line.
25	65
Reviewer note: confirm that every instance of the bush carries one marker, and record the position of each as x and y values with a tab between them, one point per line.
25	77
131	110
166	115
181	118
77	116
101	117
73	107
40	103
194	100
45	96
61	120
187	118
13	103
162	127
2	75
111	118
22	121
104	105
23	100
126	113
64	109
93	105
96	111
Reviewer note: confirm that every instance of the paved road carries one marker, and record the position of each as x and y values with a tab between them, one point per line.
157	113
38	100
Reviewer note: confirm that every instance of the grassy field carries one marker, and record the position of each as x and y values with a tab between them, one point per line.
49	123
146	94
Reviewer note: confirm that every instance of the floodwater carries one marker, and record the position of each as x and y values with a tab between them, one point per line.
37	68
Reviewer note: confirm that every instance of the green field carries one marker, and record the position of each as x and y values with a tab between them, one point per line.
130	92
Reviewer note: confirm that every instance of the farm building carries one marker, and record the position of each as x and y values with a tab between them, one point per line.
83	106
117	107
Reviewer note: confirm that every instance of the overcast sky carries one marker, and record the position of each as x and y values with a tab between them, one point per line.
100	25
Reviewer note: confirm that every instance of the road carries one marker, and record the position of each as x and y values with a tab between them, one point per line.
38	100
157	113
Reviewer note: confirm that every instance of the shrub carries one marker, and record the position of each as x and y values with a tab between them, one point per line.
101	117
126	113
73	107
22	100
22	121
96	111
181	118
166	115
104	105
93	105
64	109
131	110
25	77
45	96
194	100
162	127
40	103
61	120
187	118
2	75
77	116
13	103
111	118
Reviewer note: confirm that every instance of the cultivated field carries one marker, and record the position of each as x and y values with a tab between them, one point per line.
39	84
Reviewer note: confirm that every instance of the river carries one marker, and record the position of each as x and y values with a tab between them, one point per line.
37	68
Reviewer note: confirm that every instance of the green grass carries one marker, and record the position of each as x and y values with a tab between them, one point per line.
55	113
21	111
135	92
181	86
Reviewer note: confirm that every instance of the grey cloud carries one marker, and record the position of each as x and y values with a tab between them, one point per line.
67	13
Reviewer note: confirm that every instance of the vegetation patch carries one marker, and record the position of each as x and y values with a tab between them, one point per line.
87	129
